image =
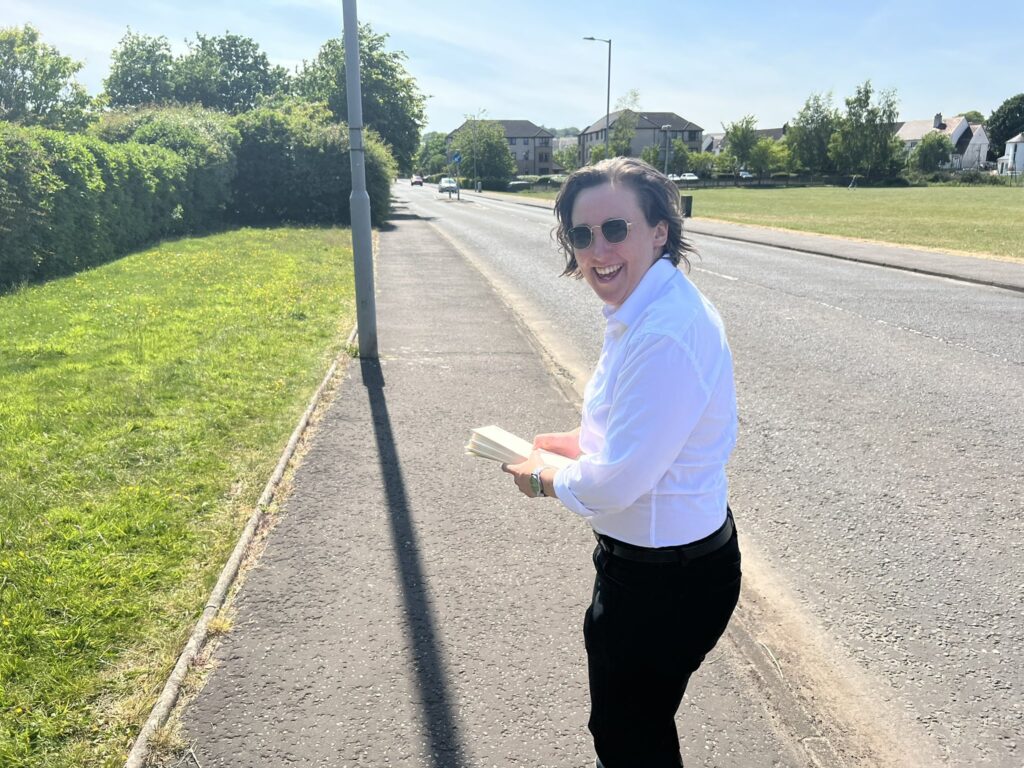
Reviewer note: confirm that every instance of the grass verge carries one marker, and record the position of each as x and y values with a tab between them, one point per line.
143	405
960	219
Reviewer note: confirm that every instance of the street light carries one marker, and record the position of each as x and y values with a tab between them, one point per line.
608	98
666	129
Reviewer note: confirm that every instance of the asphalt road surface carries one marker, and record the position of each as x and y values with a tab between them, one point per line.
878	472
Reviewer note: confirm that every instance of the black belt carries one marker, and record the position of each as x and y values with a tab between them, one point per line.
681	554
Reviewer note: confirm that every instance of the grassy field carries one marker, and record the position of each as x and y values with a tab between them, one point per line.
143	405
980	220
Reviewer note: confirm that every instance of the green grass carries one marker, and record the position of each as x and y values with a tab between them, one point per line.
143	405
966	219
978	220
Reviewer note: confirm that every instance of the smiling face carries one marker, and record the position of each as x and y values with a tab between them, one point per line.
614	270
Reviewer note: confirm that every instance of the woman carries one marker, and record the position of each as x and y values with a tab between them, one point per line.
658	425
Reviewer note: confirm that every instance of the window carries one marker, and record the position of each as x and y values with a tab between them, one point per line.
545	142
512	142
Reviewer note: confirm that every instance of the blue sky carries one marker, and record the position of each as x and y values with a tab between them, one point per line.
711	62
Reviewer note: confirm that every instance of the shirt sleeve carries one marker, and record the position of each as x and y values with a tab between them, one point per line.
659	397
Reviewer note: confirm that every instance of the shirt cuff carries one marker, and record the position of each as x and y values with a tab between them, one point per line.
566	496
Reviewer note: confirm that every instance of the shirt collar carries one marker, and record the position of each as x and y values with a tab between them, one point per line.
650	284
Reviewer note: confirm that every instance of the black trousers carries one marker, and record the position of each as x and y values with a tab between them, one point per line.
649	626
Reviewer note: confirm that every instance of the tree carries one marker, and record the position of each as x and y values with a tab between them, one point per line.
725	164
651	155
679	162
568	158
597	153
810	132
768	156
392	103
483	147
702	163
934	149
37	84
1005	123
229	73
974	116
621	139
864	142
141	72
741	137
432	157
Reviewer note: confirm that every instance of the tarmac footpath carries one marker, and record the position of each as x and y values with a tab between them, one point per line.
411	608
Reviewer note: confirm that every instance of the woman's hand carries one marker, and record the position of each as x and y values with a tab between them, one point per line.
563	443
521	473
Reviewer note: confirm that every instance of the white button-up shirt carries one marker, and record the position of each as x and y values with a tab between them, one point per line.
659	418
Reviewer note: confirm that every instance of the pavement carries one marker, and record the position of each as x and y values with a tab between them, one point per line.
410	608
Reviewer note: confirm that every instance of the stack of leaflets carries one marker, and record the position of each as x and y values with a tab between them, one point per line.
498	445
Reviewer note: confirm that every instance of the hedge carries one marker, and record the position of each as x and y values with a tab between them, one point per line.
293	166
68	201
204	138
72	201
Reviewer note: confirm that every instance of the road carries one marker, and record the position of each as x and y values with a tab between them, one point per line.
877	477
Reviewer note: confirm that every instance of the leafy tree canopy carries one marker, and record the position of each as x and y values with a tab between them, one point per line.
621	139
810	132
934	149
431	157
741	137
37	84
229	73
392	102
568	158
974	116
863	142
141	72
484	151
1005	123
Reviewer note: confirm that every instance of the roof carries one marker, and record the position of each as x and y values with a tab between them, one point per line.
775	134
646	120
915	130
1018	139
514	129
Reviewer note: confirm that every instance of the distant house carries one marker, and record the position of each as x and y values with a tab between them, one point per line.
712	143
530	145
649	132
715	143
1012	163
970	142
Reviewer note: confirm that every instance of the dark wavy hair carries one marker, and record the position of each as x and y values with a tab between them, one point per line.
657	194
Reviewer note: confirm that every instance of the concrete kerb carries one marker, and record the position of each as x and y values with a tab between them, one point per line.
169	695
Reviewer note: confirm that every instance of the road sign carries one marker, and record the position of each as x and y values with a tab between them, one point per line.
457	158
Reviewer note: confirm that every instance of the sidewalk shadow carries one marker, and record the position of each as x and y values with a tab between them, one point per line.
446	749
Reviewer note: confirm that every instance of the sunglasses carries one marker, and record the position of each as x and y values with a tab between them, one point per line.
614	231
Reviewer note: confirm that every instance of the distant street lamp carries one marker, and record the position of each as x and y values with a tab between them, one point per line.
666	129
608	97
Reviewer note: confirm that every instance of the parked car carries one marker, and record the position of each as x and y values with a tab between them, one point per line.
417	181
689	178
746	175
448	184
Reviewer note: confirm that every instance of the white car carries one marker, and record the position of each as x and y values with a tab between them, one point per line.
746	175
447	184
689	178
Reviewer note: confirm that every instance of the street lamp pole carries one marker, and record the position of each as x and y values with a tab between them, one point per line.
608	96
666	129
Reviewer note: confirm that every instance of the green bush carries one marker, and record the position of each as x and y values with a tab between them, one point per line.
204	138
519	186
71	201
293	166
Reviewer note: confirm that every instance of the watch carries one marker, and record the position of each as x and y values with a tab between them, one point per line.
536	484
